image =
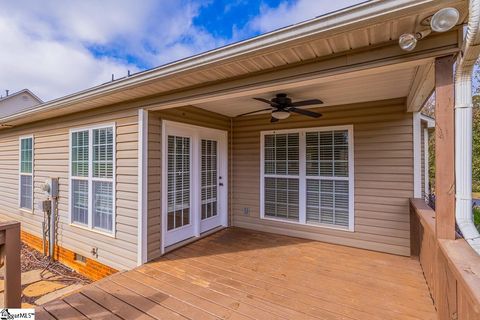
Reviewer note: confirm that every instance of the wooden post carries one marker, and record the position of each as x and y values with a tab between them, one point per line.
12	249
445	290
444	148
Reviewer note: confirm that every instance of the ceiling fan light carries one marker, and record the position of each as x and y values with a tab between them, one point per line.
407	41
444	19
280	114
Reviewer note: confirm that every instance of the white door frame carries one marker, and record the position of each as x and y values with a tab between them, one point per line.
196	133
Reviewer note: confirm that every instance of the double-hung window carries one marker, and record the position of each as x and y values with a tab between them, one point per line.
307	176
26	173
92	175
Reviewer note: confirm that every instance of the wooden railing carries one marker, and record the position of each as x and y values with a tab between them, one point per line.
451	267
10	248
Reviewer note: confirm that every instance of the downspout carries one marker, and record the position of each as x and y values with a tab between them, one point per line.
463	127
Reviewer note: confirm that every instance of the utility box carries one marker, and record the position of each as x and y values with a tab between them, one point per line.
46	206
50	187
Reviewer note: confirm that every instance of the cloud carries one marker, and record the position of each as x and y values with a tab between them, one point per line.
59	47
288	12
49	68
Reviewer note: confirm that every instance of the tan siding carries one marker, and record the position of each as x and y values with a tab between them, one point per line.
51	158
383	175
154	186
190	115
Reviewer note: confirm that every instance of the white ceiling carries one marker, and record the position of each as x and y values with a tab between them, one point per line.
381	86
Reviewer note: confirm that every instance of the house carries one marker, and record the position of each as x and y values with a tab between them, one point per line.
18	101
162	158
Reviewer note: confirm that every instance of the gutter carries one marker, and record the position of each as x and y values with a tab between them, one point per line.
463	128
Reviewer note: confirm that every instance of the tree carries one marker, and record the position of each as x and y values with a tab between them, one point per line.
429	110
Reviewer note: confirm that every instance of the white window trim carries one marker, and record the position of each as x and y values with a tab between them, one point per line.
417	153
20	173
426	168
303	177
90	178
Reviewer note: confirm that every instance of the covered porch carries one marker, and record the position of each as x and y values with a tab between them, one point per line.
371	91
242	274
330	253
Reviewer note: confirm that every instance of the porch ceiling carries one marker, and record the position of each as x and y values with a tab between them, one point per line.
364	88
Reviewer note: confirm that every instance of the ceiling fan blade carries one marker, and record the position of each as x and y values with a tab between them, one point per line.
306	103
272	120
252	112
267	101
306	112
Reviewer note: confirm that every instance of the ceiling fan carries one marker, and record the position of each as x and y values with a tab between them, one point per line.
281	107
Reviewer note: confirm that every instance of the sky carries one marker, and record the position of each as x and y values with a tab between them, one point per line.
55	48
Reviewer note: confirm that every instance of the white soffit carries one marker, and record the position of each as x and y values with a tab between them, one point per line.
382	86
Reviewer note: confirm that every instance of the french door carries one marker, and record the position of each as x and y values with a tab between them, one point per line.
194	181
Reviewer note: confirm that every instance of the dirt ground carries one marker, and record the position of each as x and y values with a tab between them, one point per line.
43	280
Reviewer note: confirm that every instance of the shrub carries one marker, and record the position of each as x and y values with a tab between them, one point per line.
476	187
476	217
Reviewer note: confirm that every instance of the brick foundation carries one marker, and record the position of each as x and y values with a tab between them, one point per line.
91	269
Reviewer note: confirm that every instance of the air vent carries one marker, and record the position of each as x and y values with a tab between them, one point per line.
80	258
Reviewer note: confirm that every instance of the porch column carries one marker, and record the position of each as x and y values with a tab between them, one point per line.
445	299
444	148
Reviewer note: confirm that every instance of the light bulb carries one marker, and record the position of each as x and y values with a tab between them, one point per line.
280	114
407	41
444	19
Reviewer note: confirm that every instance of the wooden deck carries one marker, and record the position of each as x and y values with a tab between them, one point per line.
241	274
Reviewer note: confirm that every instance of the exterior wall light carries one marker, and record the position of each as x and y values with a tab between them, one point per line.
443	20
408	41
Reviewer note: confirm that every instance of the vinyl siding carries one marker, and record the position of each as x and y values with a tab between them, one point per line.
190	115
51	159
383	158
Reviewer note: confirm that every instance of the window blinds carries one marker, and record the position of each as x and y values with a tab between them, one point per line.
316	161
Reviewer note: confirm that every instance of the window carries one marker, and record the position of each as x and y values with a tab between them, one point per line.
178	181
307	176
209	178
92	166
26	173
281	174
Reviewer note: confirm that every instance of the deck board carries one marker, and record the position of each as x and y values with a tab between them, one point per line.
242	274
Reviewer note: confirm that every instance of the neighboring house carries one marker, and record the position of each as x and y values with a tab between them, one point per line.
164	157
18	102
